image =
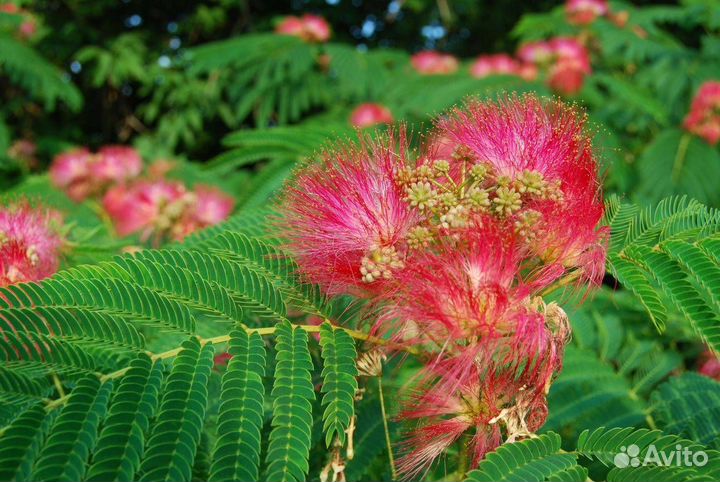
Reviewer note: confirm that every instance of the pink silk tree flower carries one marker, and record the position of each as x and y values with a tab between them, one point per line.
709	365
209	207
497	64
150	208
30	243
538	53
584	12
431	62
212	206
497	392
82	174
572	64
311	28
291	25
70	171
345	218
544	174
317	29
116	164
703	120
366	115
564	59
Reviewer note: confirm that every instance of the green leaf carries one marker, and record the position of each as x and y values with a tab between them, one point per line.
289	447
176	432
72	437
339	382
121	442
240	420
533	460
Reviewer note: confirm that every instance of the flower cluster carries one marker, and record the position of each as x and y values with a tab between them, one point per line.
30	243
565	61
82	174
430	62
311	28
454	244
163	209
502	64
703	120
584	12
369	114
28	24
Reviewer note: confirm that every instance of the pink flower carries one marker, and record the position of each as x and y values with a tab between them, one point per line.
432	62
345	216
116	164
709	365
70	171
703	119
159	209
487	65
210	206
317	29
584	12
150	208
540	147
500	397
82	174
29	243
24	151
28	26
566	61
311	28
536	52
369	114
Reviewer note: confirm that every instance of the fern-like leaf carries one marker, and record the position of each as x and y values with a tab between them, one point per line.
72	437
237	450
339	382
532	460
21	441
121	442
175	435
289	448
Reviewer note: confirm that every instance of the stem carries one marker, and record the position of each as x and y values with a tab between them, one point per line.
358	335
391	459
680	157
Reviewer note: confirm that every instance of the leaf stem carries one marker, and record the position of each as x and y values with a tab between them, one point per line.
391	458
680	157
265	331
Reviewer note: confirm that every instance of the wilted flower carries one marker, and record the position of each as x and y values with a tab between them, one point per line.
432	62
345	216
82	174
369	114
30	243
584	12
704	117
24	151
311	28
